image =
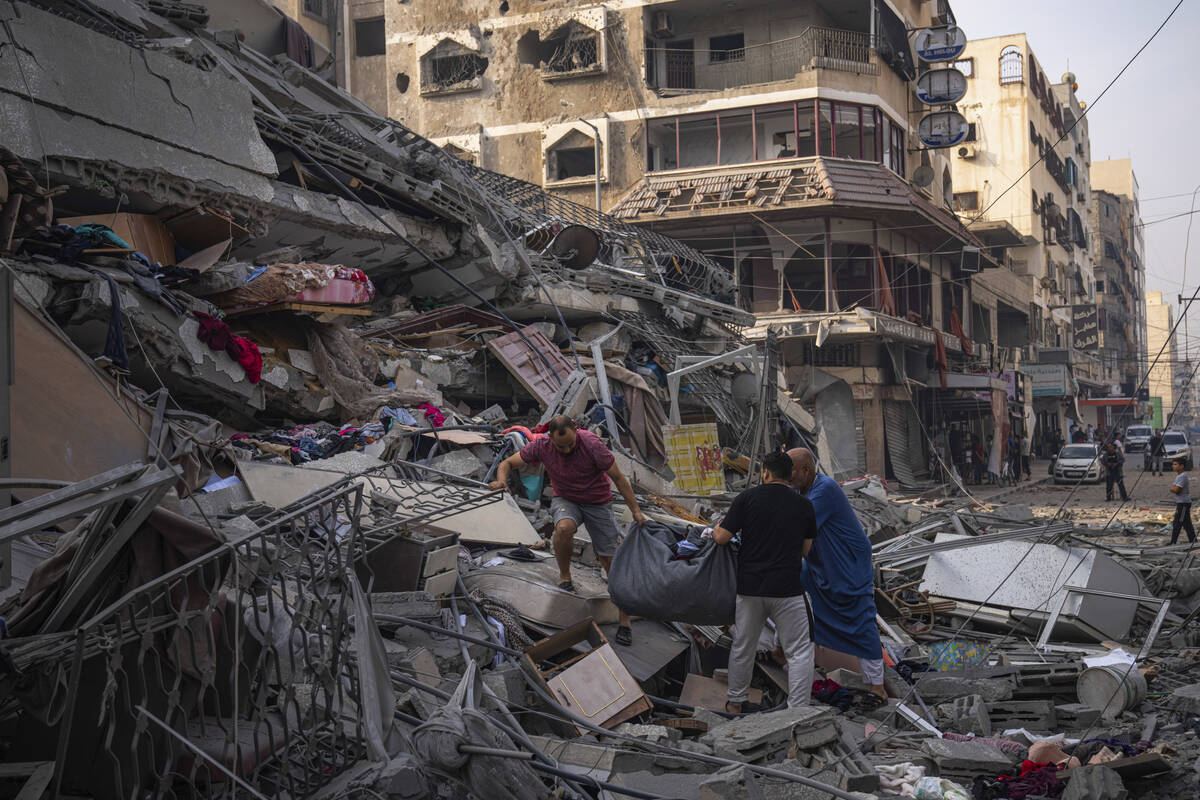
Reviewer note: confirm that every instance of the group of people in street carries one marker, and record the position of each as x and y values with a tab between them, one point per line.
804	560
1007	457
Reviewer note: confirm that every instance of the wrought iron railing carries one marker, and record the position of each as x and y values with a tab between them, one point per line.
232	675
815	48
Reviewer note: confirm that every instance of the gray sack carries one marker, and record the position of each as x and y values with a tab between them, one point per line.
647	581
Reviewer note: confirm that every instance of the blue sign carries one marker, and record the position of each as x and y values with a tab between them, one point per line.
940	44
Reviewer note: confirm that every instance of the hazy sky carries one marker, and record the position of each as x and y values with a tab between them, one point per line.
1150	114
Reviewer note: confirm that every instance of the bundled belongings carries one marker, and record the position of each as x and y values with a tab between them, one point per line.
306	282
669	574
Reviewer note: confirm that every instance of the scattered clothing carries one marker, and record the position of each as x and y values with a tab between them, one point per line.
434	416
216	334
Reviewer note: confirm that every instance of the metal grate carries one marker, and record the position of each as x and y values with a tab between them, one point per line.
243	651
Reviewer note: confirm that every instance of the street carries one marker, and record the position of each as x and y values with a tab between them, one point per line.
1151	501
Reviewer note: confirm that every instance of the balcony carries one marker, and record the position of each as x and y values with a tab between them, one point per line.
674	71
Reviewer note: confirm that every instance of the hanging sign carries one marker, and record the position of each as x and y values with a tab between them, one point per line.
942	129
940	44
939	86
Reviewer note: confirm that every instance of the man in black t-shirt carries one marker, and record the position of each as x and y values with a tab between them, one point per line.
777	527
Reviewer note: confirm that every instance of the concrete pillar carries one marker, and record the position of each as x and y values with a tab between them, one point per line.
873	435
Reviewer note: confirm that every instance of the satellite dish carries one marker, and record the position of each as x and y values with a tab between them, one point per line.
941	86
576	247
923	175
942	129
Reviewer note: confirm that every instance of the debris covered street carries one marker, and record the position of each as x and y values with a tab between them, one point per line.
350	450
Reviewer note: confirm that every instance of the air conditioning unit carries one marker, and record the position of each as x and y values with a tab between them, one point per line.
966	151
1081	197
662	28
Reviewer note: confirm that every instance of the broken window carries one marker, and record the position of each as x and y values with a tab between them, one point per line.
451	67
317	9
966	66
572	48
1010	64
966	201
573	156
460	153
731	47
370	37
853	270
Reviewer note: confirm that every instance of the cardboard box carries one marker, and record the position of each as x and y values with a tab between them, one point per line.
145	232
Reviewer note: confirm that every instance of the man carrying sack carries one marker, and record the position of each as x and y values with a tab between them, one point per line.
579	466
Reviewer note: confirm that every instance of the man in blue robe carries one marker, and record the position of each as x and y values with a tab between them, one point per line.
838	574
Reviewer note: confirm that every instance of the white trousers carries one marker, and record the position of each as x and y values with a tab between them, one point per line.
790	615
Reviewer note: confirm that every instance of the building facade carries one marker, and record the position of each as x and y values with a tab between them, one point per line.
1162	354
1042	302
782	144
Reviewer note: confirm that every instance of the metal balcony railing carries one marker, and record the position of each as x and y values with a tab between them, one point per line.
707	71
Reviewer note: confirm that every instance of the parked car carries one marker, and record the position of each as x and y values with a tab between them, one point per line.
1078	462
1137	438
1175	445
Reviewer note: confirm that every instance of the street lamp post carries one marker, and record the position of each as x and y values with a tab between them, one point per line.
596	154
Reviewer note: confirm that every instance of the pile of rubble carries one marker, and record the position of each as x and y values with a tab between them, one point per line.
268	351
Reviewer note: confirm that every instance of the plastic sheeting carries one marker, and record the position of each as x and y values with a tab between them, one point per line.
647	580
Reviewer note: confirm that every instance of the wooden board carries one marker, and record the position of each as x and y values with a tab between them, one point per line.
710	693
277	485
67	423
527	367
460	437
600	689
315	308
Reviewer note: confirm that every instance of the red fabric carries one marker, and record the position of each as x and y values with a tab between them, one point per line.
436	418
579	476
957	329
216	334
941	356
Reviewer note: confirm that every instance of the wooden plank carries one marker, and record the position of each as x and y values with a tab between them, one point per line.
315	308
710	693
66	421
523	361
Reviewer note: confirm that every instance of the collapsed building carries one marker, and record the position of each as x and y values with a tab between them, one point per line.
267	348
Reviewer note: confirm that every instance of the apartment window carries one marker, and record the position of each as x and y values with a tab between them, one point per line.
317	9
450	67
572	156
966	201
572	48
763	133
1010	65
966	66
370	38
731	47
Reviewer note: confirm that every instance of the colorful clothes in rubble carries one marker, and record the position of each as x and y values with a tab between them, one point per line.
1038	780
217	336
839	577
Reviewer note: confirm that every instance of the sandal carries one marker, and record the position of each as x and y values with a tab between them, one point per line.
567	586
624	636
747	708
869	701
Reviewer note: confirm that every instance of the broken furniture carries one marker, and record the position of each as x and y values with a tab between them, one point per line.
594	685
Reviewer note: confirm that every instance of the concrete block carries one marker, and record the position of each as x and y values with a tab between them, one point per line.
768	736
659	734
854	773
411	605
967	715
935	687
416	662
462	463
1186	699
730	784
1076	715
506	681
1033	715
402	779
966	759
1094	783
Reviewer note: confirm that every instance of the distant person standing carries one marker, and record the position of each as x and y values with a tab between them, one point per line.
1091	433
1181	488
1154	453
1114	471
1026	455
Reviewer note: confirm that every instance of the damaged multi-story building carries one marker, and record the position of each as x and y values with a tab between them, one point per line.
1022	178
782	144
